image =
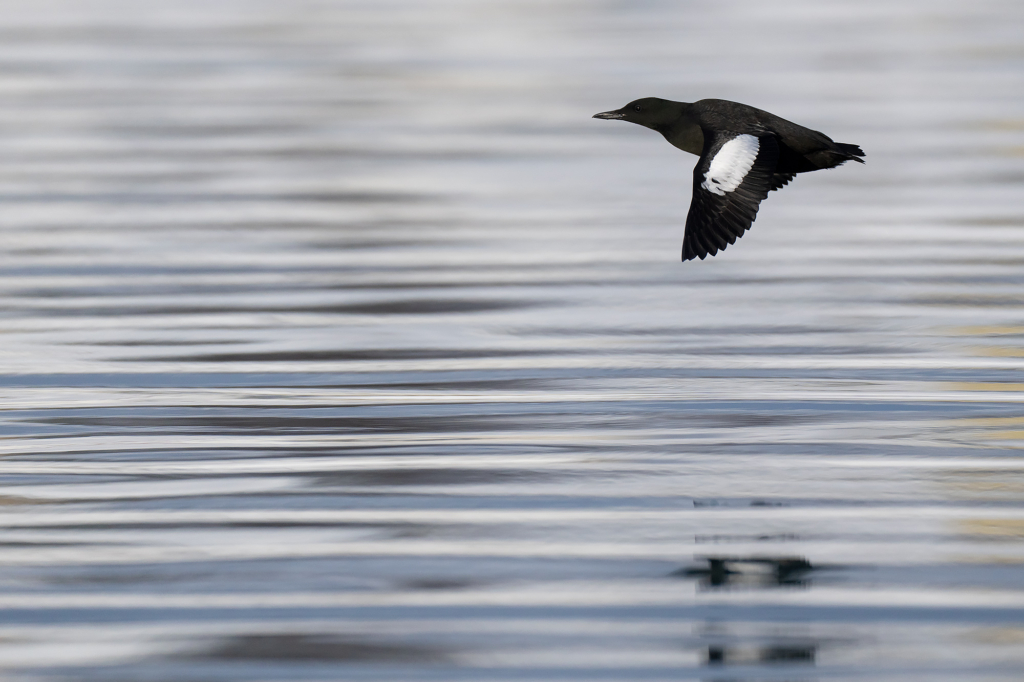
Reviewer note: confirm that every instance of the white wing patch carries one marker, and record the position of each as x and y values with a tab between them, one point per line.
731	164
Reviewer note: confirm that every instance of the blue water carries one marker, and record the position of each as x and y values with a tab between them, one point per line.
339	342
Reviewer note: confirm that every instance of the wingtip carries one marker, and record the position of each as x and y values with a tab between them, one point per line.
693	255
689	253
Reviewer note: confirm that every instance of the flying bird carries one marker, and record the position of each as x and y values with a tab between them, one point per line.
744	154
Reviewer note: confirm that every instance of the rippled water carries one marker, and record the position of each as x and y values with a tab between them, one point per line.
340	343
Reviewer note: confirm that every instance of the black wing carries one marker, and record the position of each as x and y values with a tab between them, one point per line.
726	194
780	180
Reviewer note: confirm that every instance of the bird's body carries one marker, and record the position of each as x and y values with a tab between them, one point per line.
744	154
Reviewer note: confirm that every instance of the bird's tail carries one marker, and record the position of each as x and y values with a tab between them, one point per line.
849	152
836	155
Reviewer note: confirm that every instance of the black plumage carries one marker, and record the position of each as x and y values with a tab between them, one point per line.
744	154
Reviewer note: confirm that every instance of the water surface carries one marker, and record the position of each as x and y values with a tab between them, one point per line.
340	343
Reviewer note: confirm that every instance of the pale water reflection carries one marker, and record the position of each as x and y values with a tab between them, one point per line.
340	343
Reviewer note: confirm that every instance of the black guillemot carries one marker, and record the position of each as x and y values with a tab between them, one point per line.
744	154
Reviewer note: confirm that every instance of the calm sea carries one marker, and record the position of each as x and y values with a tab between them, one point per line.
339	342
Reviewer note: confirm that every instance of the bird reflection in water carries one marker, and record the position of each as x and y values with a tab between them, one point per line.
781	653
750	572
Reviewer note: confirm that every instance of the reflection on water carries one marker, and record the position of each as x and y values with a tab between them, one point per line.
757	572
340	343
317	649
773	654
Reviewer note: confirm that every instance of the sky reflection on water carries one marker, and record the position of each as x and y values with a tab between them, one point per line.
340	342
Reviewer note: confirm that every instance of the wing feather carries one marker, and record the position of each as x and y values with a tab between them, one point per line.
733	176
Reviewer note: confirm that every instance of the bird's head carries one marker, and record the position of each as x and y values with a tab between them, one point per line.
650	112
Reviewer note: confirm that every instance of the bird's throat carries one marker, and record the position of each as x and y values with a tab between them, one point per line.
685	135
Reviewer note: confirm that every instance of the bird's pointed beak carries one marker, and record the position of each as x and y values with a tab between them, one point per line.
610	115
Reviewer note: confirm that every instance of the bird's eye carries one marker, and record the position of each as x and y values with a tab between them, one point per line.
638	108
